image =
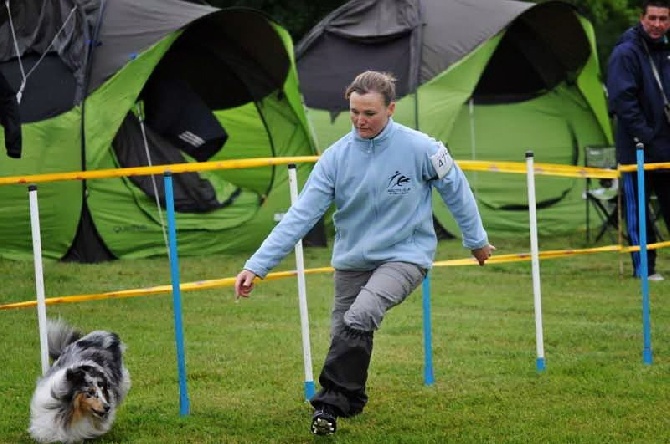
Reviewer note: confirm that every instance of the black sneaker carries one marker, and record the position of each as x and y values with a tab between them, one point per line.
324	421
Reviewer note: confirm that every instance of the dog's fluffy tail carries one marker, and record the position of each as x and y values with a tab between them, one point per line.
59	336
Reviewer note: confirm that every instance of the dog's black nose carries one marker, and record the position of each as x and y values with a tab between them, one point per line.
106	407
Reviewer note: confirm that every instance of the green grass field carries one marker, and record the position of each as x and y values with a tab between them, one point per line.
245	368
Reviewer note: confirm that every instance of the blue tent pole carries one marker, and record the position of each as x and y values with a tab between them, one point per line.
184	404
427	335
644	268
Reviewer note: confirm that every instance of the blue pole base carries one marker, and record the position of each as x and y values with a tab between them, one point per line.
184	405
646	356
309	390
427	332
428	378
540	364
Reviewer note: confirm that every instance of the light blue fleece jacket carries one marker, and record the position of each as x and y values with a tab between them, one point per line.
382	190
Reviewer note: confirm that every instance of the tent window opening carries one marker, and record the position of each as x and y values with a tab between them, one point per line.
530	61
389	54
515	73
210	67
173	121
178	114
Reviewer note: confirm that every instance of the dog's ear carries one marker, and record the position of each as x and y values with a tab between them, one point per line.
75	375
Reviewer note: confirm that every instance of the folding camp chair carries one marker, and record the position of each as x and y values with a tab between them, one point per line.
602	194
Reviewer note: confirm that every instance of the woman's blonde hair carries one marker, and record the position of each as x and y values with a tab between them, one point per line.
373	81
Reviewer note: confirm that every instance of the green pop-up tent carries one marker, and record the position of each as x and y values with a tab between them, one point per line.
491	79
125	83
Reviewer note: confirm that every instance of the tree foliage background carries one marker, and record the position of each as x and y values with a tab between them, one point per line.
609	17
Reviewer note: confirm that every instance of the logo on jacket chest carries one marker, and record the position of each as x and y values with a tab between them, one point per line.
398	184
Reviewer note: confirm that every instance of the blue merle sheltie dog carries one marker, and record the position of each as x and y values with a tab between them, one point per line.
78	396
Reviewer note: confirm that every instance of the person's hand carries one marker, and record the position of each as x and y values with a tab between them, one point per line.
483	254
244	283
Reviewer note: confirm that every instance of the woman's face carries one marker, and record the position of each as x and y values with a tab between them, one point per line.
369	114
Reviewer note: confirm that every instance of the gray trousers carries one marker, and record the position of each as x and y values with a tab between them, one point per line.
362	298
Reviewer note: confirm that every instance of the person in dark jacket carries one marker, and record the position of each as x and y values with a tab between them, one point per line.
10	118
637	102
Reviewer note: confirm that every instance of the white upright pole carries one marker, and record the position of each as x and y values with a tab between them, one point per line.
39	276
302	294
535	260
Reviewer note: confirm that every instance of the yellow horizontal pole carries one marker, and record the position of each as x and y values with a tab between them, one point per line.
174	168
156	290
468	165
229	282
546	169
647	167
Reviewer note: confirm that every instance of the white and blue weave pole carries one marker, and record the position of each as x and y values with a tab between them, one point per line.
535	261
427	332
184	404
644	267
39	275
302	294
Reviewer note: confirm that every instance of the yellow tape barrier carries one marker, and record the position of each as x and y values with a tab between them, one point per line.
156	290
467	165
229	282
547	169
174	168
647	167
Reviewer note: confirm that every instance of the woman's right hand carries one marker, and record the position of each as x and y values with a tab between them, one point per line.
244	283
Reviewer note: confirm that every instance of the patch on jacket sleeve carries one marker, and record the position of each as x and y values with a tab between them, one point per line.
442	161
